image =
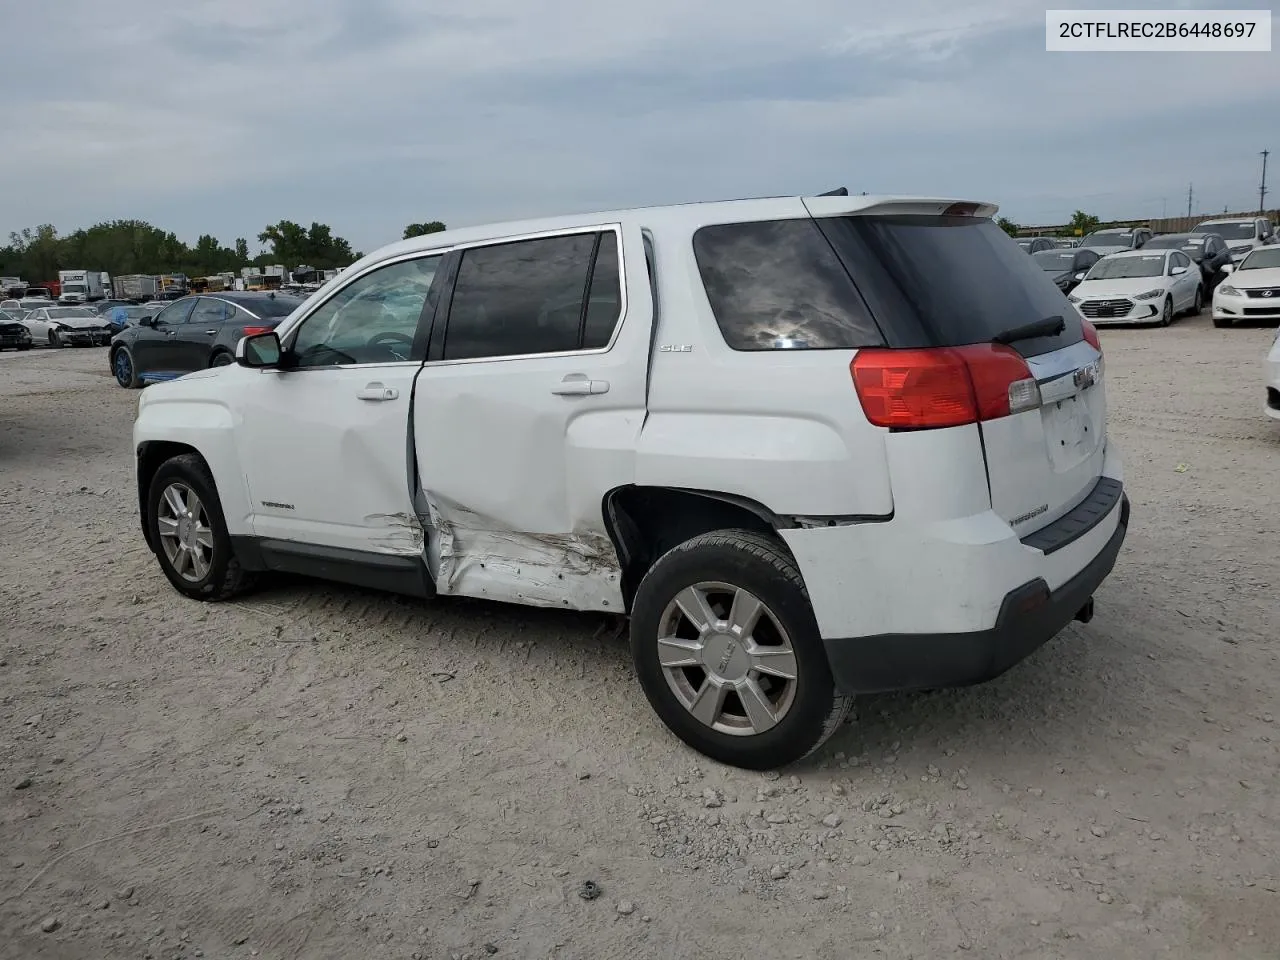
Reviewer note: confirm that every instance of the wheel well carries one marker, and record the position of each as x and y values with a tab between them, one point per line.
218	350
151	455
646	522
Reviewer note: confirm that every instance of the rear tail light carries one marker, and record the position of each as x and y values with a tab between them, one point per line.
254	331
1091	334
944	387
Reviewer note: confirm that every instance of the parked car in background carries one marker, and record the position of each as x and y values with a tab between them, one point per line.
1241	234
39	293
130	315
552	413
1067	242
1251	290
14	334
1272	368
67	326
1207	250
1035	244
103	307
1066	267
1139	287
1116	239
25	305
193	333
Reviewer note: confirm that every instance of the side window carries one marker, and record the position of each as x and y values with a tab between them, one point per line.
604	301
520	298
208	311
777	285
176	312
373	319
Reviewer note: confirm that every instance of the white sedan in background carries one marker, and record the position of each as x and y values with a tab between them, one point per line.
1251	289
1272	406
61	326
1139	286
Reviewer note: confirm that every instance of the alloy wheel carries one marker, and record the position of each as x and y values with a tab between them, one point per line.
185	535
727	658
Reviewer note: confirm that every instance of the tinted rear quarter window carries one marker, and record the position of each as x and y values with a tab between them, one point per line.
777	285
948	281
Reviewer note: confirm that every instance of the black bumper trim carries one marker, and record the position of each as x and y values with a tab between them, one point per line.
1082	518
901	661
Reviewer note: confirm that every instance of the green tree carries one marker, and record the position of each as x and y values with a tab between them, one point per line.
422	229
1082	223
242	250
1008	226
316	246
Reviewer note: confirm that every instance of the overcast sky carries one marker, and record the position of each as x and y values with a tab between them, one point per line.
224	115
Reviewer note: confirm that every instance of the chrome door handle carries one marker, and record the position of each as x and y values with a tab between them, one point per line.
377	392
577	385
211	332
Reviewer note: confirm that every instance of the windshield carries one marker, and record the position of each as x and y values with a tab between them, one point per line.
1263	258
1107	240
1054	261
1230	230
1024	244
1122	268
272	306
70	313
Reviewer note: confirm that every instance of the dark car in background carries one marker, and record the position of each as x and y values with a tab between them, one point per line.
1208	250
14	334
193	333
1034	245
1066	267
129	315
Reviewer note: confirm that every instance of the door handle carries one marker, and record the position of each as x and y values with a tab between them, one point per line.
577	385
377	392
211	332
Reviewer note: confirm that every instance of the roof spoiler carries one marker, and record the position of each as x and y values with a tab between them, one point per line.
837	192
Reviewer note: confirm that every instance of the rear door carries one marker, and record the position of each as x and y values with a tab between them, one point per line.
936	281
528	407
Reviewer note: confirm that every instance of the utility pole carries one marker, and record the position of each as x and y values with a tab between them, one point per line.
1189	200
1262	190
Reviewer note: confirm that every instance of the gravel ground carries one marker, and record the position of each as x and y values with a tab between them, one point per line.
317	771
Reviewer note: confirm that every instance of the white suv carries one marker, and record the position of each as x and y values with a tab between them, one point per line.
1242	235
813	447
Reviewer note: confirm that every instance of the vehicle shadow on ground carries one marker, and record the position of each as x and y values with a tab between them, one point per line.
1043	707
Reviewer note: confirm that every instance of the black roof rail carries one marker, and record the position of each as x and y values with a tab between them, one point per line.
837	192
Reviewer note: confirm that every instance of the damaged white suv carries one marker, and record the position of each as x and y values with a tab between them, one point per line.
813	447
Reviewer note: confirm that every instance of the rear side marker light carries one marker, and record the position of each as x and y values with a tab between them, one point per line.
943	387
1090	334
254	331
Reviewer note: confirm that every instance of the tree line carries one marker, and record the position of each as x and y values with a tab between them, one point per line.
122	247
1081	223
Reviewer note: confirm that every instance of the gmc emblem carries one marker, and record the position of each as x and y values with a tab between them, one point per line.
1085	376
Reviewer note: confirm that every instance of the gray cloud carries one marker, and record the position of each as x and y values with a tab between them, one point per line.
225	115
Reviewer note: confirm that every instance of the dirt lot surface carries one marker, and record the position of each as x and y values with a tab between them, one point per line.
317	771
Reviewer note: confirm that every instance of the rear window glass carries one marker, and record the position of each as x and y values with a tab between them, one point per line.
777	285
948	281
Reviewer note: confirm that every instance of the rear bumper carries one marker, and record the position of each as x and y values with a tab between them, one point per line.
1029	616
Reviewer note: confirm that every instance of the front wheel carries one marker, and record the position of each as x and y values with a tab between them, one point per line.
1198	304
54	339
727	649
189	533
1166	315
122	366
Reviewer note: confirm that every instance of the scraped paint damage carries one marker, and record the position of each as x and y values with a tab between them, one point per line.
474	555
398	533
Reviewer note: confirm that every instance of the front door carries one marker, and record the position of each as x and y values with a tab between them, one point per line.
193	343
528	409
324	444
155	352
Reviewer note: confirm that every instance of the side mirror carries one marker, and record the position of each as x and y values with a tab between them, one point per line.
1080	276
1227	268
262	350
1177	271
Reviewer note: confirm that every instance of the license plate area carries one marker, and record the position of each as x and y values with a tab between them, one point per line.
1068	431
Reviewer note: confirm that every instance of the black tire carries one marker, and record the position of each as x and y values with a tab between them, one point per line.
54	339
761	565
221	358
25	346
225	578
1166	314
1198	305
124	369
1221	322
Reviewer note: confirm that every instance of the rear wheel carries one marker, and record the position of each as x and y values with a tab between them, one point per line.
1166	315
728	652
220	358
